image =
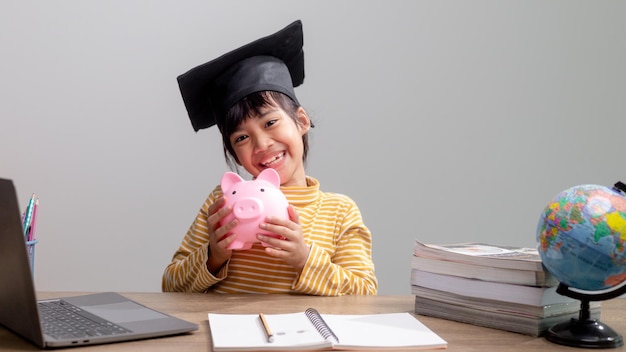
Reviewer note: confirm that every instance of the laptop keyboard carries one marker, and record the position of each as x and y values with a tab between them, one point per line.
62	320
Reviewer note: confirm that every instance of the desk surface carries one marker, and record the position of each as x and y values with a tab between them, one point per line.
194	308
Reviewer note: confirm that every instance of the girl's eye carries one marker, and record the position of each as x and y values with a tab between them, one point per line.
239	139
270	123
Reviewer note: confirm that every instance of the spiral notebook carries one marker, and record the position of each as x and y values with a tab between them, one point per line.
310	330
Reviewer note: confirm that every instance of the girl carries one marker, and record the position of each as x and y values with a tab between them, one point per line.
325	247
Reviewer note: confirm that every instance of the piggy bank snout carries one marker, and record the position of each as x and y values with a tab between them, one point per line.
247	209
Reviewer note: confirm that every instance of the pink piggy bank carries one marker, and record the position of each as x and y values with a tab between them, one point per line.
252	201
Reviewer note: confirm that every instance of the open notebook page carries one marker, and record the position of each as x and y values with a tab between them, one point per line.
244	332
382	331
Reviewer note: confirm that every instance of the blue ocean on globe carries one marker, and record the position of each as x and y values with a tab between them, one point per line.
582	237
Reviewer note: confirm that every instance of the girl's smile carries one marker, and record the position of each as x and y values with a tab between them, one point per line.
273	161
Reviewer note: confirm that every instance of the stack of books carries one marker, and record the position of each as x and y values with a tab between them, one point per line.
488	285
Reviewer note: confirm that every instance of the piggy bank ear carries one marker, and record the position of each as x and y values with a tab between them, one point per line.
271	176
229	179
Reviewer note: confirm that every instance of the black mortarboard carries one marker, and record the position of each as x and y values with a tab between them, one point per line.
275	62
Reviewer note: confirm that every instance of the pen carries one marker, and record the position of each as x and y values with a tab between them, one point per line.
28	216
266	328
31	232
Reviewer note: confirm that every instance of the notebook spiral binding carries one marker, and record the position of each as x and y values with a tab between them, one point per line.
320	325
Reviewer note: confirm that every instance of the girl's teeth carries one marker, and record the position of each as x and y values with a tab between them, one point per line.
273	160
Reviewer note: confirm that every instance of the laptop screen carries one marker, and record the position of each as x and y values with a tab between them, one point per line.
18	303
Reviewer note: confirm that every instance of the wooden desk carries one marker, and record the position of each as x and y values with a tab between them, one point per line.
194	307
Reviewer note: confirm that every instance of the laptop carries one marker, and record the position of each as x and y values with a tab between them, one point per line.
110	317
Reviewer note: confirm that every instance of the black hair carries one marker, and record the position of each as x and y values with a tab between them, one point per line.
250	107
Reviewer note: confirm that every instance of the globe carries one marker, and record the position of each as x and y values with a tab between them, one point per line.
581	237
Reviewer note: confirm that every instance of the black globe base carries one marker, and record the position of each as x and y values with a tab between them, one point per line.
584	333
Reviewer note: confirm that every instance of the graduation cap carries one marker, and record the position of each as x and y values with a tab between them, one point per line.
275	63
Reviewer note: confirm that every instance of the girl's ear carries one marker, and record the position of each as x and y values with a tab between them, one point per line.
303	121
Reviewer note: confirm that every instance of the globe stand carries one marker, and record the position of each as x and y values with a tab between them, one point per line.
584	331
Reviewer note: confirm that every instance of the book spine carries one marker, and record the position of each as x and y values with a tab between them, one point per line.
480	272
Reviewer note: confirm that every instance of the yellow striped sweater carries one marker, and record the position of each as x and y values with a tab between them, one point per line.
339	263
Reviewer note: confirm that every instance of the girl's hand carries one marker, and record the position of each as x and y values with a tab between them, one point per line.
218	241
292	249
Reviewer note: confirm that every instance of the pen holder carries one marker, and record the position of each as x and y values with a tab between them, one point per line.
30	247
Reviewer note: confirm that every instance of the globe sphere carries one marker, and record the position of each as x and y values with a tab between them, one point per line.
581	237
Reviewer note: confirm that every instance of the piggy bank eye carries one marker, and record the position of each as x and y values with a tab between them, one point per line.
262	189
234	192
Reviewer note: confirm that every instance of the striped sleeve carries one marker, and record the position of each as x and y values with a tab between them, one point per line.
187	271
340	261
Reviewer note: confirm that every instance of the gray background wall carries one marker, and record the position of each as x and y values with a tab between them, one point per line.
446	121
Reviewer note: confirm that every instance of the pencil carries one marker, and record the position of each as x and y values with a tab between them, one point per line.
266	328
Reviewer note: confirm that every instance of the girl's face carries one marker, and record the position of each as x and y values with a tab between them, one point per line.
273	140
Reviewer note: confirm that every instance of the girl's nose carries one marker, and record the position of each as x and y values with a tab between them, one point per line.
262	143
